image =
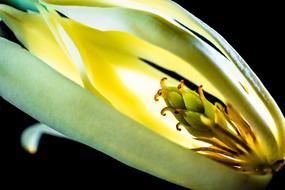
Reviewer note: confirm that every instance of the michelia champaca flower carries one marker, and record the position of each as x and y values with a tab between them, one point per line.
139	60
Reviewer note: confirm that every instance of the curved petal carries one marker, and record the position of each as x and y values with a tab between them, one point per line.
33	32
93	122
113	82
223	77
227	81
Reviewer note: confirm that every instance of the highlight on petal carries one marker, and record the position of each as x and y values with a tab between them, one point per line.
121	64
230	140
31	136
35	35
143	54
227	79
94	122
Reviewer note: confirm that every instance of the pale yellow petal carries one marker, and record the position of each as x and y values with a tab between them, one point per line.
127	82
91	121
34	34
224	79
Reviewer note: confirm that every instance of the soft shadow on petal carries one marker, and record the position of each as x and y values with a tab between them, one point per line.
75	112
230	78
34	34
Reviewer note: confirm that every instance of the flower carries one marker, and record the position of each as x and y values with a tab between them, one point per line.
120	53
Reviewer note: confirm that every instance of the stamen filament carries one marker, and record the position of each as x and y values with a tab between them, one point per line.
231	140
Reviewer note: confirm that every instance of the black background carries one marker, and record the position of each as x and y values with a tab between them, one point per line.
254	30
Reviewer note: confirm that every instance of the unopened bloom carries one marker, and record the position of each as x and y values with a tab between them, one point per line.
119	51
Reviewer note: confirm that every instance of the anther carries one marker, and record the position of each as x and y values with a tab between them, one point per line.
278	165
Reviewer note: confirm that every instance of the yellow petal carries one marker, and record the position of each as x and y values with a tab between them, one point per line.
126	81
34	34
98	125
217	74
224	79
114	80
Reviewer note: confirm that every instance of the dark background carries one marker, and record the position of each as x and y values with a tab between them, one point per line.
254	30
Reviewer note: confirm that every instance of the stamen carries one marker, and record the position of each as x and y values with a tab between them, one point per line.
216	143
181	86
213	150
200	92
227	137
231	140
241	125
219	106
278	165
227	160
